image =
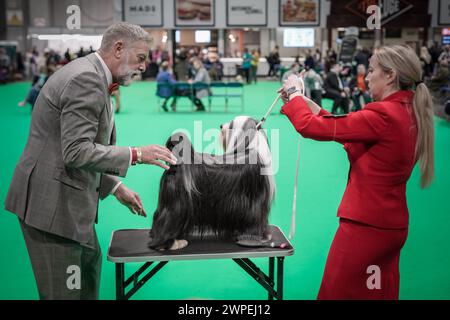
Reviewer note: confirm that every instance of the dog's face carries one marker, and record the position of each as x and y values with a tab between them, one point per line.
233	130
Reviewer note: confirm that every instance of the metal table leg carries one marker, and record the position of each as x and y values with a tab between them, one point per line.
280	274
271	273
120	279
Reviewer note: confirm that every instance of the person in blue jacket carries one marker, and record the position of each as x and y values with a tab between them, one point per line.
164	90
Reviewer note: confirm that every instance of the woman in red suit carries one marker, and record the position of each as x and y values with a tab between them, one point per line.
383	142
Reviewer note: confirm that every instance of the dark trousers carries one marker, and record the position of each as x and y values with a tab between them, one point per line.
357	100
32	96
254	74
316	96
247	74
166	101
273	69
339	101
198	103
58	262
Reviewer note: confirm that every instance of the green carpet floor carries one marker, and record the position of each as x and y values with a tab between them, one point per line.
425	260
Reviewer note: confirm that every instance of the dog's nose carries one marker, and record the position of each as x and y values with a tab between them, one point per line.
221	126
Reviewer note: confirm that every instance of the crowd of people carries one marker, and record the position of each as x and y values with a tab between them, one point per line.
346	85
36	67
325	76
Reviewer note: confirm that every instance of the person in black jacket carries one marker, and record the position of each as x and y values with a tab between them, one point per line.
362	57
309	61
274	62
334	89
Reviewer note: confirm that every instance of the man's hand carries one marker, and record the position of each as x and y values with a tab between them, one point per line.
155	154
130	199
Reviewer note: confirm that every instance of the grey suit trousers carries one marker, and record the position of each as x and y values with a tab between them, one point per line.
57	262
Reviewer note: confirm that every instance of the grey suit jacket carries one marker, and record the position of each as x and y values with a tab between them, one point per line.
70	160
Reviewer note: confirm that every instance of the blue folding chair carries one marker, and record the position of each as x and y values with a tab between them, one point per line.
235	90
218	90
185	90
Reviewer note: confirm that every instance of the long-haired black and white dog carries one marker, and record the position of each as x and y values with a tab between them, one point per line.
227	195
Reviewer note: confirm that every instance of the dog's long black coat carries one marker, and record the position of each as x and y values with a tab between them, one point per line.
230	200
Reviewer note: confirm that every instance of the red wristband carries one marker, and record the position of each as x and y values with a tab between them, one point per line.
133	156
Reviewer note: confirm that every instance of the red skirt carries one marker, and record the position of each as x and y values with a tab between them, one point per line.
363	263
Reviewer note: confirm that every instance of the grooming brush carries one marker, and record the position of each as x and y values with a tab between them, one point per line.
255	242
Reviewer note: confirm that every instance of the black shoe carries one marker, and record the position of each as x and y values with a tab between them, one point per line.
200	109
165	108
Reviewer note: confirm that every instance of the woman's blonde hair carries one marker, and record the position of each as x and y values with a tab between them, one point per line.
406	64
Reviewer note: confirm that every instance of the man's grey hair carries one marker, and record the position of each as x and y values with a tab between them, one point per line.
126	32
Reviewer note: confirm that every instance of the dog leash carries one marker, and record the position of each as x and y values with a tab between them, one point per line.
297	170
294	204
263	120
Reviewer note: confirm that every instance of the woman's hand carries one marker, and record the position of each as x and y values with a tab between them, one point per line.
284	96
293	82
293	87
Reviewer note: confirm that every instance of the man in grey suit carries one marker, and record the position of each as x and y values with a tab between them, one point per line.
70	162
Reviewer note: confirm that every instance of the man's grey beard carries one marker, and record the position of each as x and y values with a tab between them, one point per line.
126	79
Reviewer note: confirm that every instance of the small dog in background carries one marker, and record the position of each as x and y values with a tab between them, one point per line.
228	195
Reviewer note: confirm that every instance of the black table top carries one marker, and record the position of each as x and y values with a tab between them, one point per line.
131	246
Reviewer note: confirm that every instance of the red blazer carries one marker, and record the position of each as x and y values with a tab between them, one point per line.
380	142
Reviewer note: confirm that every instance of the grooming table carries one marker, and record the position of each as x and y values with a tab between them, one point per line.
131	246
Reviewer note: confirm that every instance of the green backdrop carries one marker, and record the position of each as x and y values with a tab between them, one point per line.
425	260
